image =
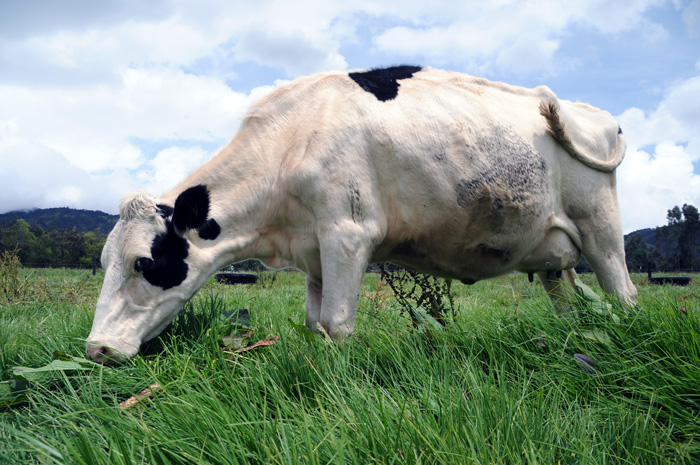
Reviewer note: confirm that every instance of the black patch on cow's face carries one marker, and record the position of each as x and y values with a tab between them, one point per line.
166	211
619	130
168	252
191	208
383	82
210	230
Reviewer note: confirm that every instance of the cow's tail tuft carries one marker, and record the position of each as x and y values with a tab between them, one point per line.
549	108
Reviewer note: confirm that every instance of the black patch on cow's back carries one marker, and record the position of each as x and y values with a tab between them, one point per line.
168	251
210	230
191	208
383	82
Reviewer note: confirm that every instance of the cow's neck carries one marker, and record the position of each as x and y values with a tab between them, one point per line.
243	190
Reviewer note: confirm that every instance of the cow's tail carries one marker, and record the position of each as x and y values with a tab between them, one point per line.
549	108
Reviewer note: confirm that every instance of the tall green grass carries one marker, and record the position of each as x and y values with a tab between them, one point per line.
500	384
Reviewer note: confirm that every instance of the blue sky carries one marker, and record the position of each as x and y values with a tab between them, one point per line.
98	99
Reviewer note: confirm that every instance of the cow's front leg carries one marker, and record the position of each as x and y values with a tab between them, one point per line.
344	257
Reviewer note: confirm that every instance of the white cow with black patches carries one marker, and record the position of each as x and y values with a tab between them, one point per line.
442	172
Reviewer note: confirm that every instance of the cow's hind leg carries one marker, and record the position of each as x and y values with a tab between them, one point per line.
602	243
604	249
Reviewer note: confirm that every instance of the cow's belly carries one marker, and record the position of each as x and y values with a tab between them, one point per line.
471	257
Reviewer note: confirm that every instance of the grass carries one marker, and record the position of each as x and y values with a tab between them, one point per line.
499	385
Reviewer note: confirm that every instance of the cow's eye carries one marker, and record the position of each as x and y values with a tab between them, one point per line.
142	263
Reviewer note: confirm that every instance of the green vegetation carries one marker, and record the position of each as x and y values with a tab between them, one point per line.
51	248
56	237
675	246
499	384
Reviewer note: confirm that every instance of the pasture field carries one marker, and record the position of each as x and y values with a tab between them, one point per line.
499	385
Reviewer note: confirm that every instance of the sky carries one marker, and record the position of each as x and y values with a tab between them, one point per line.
99	99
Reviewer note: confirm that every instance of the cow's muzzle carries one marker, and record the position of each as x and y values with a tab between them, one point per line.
103	354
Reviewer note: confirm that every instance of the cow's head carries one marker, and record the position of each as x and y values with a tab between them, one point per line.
151	270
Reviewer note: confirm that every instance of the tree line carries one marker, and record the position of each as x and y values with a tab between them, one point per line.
672	247
52	247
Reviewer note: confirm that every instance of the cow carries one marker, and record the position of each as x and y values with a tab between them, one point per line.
442	172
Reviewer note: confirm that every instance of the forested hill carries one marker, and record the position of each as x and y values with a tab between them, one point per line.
62	218
675	246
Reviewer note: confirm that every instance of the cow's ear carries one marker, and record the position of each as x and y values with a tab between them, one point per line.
191	209
165	211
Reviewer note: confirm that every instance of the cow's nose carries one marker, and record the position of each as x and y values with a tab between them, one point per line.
102	354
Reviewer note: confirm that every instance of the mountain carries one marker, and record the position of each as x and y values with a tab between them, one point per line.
61	218
648	234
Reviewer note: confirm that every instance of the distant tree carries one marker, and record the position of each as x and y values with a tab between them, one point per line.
17	235
93	242
42	253
690	214
636	253
673	216
688	237
656	260
70	245
680	238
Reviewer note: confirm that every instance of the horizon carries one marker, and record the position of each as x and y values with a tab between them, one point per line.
30	210
99	100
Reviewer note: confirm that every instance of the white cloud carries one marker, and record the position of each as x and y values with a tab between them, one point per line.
517	37
294	51
691	18
650	184
41	17
676	118
171	166
34	176
615	17
92	127
72	147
